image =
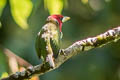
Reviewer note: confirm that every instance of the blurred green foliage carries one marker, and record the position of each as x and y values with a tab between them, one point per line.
21	10
3	64
2	5
54	6
5	74
88	18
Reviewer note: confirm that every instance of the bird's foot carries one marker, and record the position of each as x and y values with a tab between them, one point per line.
61	52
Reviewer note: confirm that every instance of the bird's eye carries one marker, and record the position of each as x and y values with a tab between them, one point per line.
61	19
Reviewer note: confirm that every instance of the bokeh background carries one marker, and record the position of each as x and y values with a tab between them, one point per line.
88	18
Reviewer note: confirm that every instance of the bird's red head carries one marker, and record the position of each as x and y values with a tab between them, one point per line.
59	19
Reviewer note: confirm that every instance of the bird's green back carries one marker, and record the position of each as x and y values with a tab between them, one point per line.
49	34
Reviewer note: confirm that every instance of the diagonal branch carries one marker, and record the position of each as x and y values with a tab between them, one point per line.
75	48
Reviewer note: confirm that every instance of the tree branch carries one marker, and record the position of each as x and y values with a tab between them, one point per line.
75	48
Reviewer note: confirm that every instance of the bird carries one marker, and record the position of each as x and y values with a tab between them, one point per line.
49	38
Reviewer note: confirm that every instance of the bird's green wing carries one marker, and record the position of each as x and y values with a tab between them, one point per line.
40	45
55	44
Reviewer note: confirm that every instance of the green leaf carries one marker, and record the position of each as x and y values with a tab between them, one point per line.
4	74
2	5
54	6
21	10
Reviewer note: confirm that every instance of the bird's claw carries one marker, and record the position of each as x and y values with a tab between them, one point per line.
61	52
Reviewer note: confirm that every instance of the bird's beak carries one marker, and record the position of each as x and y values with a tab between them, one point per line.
65	18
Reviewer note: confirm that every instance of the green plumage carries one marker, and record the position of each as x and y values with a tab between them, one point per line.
47	43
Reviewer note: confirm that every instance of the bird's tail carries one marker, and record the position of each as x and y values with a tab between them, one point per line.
50	60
